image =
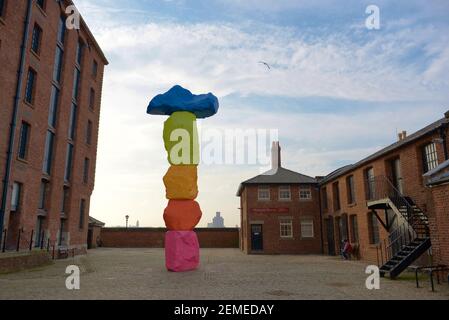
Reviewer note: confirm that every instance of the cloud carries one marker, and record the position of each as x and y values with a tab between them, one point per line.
381	71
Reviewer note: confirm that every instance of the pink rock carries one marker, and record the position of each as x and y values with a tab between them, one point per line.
182	251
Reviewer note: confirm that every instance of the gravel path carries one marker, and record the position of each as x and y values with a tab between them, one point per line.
224	274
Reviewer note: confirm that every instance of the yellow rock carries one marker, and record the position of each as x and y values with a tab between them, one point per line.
181	182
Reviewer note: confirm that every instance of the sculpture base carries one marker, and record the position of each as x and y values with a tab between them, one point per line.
182	251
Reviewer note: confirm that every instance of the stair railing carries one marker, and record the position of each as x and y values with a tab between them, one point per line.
394	243
381	187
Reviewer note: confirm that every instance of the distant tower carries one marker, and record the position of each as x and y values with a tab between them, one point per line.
217	221
137	224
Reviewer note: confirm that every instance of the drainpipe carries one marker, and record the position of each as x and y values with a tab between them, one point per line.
321	219
443	136
13	124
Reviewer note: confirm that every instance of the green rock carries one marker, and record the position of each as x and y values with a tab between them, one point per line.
181	139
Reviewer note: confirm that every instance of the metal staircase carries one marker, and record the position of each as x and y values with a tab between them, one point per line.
409	239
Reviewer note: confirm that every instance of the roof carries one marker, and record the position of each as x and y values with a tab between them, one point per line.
278	176
411	138
95	222
91	36
439	175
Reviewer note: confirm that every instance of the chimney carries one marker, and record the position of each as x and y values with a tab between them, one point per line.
404	134
275	155
400	136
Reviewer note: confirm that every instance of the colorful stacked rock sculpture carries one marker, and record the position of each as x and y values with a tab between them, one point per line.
180	135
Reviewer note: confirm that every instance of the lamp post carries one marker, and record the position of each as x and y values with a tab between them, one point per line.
127	217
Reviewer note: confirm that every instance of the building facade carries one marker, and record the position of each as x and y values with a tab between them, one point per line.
393	206
51	81
280	212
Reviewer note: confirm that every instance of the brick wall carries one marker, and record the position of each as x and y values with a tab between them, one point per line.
295	209
439	223
154	237
413	184
29	171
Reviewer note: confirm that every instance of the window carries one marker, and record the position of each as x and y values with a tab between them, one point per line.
94	68
373	227
307	229
41	3
2	7
370	184
16	195
86	170
53	107
324	198
336	196
69	162
89	132
30	86
305	193
43	194
76	84
92	99
354	229
79	52
82	213
263	193
58	64
72	123
286	228
430	157
36	39
284	193
61	30
350	189
343	225
48	153
39	232
23	142
65	199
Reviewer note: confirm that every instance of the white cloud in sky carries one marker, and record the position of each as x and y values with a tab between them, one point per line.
148	58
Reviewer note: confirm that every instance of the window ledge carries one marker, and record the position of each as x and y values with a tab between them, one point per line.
287	238
35	54
24	161
28	104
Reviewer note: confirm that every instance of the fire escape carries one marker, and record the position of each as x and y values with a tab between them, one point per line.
407	224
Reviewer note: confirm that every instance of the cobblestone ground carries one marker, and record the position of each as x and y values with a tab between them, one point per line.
224	274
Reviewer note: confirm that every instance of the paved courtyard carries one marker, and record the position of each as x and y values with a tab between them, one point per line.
224	274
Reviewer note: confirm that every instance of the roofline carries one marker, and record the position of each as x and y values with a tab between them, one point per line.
368	159
90	34
243	184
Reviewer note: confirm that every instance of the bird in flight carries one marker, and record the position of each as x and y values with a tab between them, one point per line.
266	64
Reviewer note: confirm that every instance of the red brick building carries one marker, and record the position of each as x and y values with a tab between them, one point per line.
384	206
50	93
280	212
393	206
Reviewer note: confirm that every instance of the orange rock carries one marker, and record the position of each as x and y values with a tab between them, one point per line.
181	183
182	215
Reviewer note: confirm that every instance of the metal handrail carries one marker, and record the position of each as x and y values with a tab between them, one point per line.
381	187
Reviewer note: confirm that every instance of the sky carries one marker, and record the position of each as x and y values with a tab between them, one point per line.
336	91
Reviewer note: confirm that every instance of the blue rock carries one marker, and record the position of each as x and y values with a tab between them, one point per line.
180	99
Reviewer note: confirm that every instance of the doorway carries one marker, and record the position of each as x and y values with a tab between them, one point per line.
330	236
256	237
397	175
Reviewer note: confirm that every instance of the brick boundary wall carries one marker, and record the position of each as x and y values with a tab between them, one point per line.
154	237
17	262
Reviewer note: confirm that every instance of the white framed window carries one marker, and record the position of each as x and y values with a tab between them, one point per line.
15	197
305	193
284	193
307	228
286	226
263	193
